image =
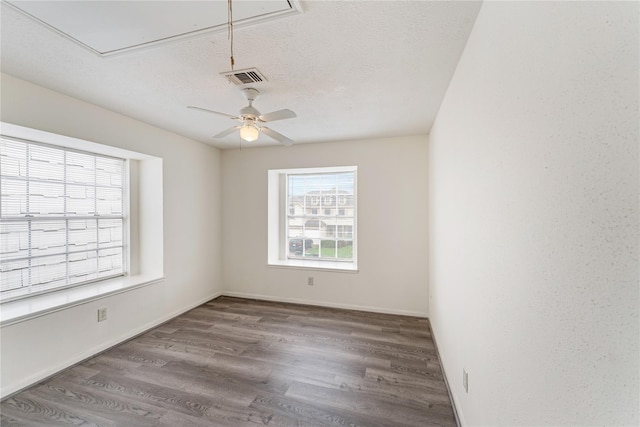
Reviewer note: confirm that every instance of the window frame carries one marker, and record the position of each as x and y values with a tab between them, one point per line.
32	290
146	230
278	209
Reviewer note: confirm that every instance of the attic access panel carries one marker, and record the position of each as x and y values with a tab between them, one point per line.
110	27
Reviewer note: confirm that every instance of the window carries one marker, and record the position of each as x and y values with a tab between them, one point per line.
303	238
62	218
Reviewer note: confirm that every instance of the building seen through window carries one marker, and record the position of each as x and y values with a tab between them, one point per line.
321	216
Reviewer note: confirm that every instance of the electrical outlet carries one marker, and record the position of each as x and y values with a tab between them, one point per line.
102	314
465	380
310	281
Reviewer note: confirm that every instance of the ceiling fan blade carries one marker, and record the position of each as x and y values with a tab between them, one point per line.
226	132
277	136
277	115
214	112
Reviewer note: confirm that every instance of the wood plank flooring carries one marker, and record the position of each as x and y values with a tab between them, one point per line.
237	362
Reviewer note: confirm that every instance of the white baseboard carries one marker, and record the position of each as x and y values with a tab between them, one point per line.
446	381
325	304
47	373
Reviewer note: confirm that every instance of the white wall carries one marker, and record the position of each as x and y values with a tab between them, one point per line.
534	216
392	226
192	236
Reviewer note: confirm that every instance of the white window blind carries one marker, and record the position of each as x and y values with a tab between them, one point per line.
61	218
321	216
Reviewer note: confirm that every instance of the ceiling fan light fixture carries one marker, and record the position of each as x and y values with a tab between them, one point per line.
252	121
249	132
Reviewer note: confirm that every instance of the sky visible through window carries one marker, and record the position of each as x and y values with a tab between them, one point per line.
301	184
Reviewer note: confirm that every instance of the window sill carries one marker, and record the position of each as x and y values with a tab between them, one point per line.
301	264
31	307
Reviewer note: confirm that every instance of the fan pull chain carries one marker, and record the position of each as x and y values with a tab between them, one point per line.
230	30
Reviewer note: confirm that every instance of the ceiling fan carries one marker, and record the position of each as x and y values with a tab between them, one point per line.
252	120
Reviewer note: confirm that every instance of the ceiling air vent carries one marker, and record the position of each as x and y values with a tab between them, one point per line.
245	77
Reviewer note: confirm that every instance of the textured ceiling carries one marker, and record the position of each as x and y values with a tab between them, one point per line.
349	69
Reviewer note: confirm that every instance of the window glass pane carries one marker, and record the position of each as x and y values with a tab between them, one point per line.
109	261
320	209
296	228
45	163
81	168
345	249
46	198
81	200
83	266
109	201
13	162
13	201
328	227
51	270
328	248
14	275
83	235
108	172
14	240
61	218
48	237
110	232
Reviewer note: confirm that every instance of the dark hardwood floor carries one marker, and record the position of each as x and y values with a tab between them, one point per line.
237	362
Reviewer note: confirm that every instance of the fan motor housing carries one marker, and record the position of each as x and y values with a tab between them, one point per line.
249	111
